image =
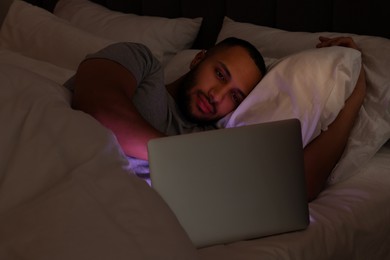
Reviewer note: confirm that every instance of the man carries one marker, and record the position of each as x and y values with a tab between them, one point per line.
122	87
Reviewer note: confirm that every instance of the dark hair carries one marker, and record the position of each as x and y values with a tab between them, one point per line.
252	50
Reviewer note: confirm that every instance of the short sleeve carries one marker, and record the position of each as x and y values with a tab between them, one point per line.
135	57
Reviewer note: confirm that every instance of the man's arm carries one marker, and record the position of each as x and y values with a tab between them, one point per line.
322	154
104	89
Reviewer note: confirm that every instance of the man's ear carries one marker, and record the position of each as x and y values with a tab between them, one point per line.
198	57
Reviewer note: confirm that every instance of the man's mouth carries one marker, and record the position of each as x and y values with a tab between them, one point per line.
204	105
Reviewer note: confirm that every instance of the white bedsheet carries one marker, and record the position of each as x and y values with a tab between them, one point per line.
350	220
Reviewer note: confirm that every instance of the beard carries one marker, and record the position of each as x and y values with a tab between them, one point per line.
184	99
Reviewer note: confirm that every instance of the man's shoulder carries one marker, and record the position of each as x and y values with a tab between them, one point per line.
135	57
126	47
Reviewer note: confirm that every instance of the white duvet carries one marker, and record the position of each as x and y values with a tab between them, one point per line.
65	190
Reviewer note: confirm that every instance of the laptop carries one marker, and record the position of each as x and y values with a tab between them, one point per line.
233	184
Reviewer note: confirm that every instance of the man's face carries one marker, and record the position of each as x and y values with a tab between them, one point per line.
218	84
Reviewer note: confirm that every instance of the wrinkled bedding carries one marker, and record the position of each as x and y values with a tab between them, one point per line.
66	191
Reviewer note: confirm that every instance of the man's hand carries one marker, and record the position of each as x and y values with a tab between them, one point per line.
337	41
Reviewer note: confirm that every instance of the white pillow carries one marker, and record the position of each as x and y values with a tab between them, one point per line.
39	34
272	42
372	128
179	65
164	36
311	85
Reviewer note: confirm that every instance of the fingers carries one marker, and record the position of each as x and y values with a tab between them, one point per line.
337	41
323	38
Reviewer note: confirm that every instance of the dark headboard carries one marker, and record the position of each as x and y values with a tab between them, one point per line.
369	17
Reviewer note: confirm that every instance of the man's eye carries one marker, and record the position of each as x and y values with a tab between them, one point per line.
237	99
220	75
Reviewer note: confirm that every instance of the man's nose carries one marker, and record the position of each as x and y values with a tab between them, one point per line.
217	93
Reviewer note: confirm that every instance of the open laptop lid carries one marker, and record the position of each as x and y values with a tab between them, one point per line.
232	184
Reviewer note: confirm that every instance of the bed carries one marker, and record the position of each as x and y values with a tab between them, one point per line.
66	190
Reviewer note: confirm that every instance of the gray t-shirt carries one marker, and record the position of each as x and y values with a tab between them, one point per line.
151	98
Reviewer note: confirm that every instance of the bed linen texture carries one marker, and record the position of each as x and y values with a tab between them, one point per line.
165	37
66	191
65	188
